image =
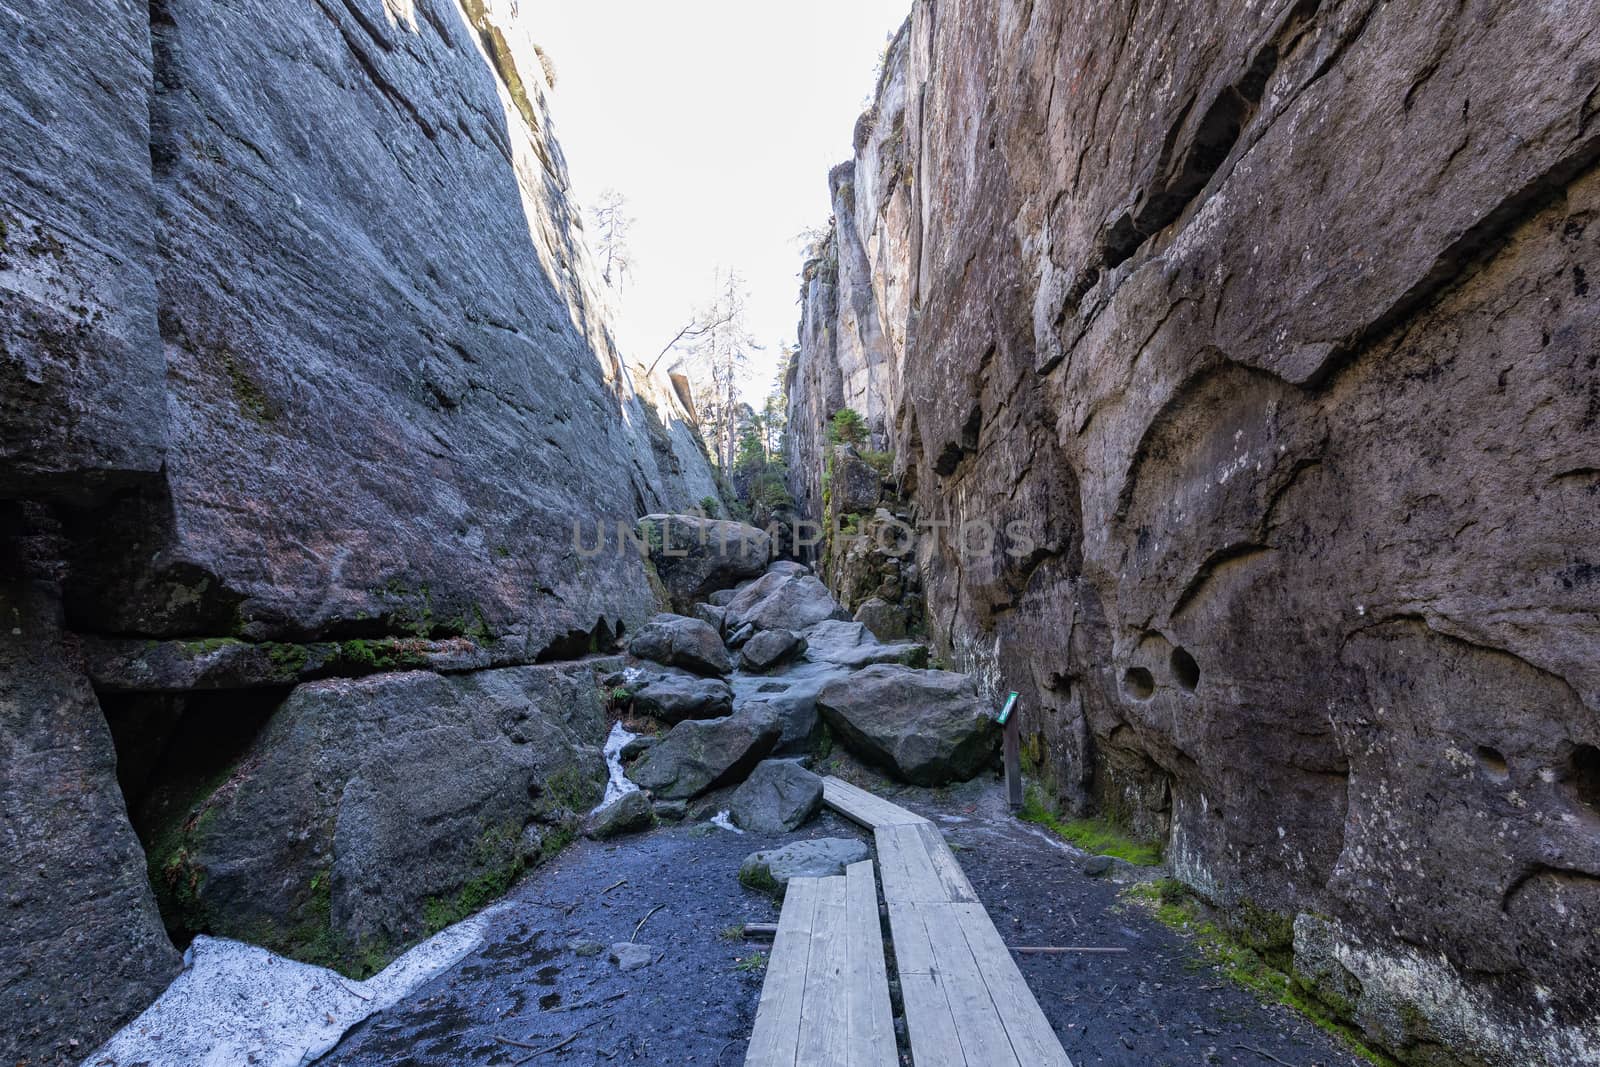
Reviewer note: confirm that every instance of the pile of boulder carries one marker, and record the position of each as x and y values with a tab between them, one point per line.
744	685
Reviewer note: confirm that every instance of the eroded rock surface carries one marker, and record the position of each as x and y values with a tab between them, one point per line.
1272	325
697	556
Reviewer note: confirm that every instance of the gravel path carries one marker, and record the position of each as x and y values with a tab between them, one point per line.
526	990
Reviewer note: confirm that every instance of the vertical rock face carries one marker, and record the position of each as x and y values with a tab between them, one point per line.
299	345
73	867
1273	325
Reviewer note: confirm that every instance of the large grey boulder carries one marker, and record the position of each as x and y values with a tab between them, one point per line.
697	556
886	621
852	644
628	814
369	808
779	796
673	696
821	857
928	727
712	615
82	948
697	757
677	641
792	696
779	600
769	649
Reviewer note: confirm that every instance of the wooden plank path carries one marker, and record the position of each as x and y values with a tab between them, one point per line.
825	999
967	1004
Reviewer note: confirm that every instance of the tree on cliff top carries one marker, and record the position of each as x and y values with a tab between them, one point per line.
612	224
718	363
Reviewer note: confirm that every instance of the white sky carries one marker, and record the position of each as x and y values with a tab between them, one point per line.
719	121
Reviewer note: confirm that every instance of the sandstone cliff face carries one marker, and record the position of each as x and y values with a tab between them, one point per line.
301	356
1275	326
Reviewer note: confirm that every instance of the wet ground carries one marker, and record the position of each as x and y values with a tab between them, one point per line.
526	996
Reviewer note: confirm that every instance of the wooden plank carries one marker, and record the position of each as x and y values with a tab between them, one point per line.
775	1040
1032	1037
977	1015
912	954
862	807
949	872
909	871
869	1031
824	1014
934	1040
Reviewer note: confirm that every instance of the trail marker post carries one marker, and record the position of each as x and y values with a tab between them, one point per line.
1011	724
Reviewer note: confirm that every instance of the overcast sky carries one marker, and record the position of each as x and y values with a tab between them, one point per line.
719	120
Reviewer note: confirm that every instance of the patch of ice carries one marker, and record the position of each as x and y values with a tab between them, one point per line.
618	785
235	1003
724	819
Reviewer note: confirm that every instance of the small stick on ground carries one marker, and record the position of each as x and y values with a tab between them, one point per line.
1264	1055
644	920
557	1047
618	884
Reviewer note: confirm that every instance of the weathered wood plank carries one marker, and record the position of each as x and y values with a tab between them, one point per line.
977	1014
775	1040
951	876
869	1031
934	1040
824	1012
862	807
1032	1037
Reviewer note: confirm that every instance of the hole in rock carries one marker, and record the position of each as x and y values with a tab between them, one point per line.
1139	683
1185	670
1583	777
173	752
1493	763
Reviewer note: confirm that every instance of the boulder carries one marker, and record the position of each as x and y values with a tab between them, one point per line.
366	806
788	568
712	615
82	949
722	597
886	621
698	556
697	757
856	484
851	644
738	638
637	747
628	814
822	857
792	696
779	796
674	696
769	649
676	641
928	727
672	810
780	600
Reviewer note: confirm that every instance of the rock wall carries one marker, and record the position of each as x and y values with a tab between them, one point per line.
1274	325
303	373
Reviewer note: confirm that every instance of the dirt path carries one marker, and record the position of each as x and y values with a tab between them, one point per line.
694	1004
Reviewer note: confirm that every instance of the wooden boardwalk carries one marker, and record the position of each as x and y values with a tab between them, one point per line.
825	1000
966	1002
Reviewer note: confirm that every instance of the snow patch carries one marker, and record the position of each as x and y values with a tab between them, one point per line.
617	785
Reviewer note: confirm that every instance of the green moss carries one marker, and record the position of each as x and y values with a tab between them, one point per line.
759	878
290	659
252	399
209	645
1099	836
383	655
882	462
1174	906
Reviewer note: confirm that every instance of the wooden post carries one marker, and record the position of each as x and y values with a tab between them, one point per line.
1011	723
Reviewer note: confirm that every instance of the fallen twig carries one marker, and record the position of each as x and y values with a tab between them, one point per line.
644	920
591	1003
759	930
1264	1055
1057	950
557	1047
618	884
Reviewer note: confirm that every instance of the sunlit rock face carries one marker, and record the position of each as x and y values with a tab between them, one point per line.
299	342
1274	325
